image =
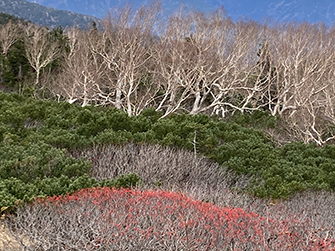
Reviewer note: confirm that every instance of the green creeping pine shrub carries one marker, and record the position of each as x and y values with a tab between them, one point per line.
280	172
38	160
13	190
111	136
256	119
37	136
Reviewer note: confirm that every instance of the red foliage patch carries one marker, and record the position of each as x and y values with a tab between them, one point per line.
160	220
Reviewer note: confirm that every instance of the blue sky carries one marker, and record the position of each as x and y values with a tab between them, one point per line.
259	10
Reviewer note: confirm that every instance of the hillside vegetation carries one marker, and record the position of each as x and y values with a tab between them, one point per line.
112	219
195	63
38	138
6	18
233	114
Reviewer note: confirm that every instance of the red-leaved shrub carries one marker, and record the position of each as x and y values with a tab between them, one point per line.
111	219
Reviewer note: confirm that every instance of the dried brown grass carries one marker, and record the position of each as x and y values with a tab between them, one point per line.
7	243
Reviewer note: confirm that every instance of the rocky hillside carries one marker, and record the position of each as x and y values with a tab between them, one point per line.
45	16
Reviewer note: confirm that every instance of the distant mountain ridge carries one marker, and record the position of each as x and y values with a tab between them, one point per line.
100	8
260	10
45	16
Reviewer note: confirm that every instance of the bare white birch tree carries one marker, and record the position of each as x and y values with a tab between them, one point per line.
199	64
209	32
173	58
204	63
125	49
237	53
9	35
303	60
40	49
83	74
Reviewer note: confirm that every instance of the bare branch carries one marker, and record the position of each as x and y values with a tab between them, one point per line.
40	50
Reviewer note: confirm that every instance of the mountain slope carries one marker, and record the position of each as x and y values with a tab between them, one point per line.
100	8
42	15
5	18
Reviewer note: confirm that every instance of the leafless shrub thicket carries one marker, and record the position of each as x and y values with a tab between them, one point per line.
110	219
200	178
169	169
155	164
317	207
81	224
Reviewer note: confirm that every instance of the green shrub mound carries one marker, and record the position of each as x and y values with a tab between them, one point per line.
37	160
38	138
14	191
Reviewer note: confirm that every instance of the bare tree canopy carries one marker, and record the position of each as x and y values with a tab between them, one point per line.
196	63
40	49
